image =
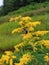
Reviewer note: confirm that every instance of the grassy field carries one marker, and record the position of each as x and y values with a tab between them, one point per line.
6	38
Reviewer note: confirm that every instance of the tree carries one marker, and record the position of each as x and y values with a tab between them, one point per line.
10	5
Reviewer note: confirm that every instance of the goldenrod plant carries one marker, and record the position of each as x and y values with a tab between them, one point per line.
32	50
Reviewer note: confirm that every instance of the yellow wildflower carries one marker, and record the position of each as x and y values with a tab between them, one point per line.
18	63
40	33
18	46
21	23
46	43
46	58
1	62
13	56
11	62
31	28
28	24
17	49
27	18
18	18
17	30
8	52
25	58
11	19
27	36
43	42
36	23
5	58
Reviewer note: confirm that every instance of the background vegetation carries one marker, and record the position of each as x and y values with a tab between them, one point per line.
38	10
11	5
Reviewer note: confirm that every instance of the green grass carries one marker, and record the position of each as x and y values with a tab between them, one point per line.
41	17
7	40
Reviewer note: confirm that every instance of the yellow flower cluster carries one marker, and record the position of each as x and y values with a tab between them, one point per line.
26	25
14	19
7	58
18	46
27	18
36	23
29	23
25	59
19	18
46	57
26	36
46	43
11	19
17	30
40	33
8	53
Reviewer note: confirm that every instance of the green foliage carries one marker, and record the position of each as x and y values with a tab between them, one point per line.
30	10
11	5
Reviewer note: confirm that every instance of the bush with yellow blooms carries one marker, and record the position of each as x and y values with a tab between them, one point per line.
32	50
